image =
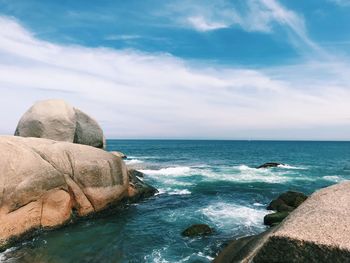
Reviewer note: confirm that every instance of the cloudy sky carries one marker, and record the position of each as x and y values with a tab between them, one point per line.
204	69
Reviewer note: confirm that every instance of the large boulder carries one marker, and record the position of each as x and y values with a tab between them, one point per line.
59	121
317	231
45	183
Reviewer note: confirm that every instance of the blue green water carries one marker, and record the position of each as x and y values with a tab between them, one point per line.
212	182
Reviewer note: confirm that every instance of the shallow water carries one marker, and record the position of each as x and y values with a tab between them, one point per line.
212	182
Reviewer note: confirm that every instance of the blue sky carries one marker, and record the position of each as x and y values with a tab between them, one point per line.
252	69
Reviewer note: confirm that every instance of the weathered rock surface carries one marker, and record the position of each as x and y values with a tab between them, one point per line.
269	165
45	183
119	154
317	231
197	230
57	120
138	189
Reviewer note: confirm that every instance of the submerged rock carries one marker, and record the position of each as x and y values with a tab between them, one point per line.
287	201
197	230
57	120
45	183
119	154
137	188
275	218
269	165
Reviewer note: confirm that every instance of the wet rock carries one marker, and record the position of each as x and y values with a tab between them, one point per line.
269	165
287	201
197	230
272	219
138	189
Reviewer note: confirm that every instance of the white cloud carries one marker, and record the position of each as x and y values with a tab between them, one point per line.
135	94
201	24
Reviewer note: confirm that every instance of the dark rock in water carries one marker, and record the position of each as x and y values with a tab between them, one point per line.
197	230
269	165
287	201
134	172
277	217
137	188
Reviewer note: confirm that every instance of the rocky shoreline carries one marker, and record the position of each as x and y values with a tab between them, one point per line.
317	231
48	183
55	171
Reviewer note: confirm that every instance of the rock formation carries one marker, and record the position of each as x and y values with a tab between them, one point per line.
317	231
57	120
45	183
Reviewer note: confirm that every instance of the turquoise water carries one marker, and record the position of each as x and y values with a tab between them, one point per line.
212	182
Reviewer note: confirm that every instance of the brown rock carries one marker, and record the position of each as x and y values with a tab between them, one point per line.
43	181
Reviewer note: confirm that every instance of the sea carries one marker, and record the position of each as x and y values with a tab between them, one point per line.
199	181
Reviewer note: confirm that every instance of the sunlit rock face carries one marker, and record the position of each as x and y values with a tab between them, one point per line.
59	121
43	183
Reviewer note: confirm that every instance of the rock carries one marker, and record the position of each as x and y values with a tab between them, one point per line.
45	184
137	188
280	206
135	173
119	154
57	120
197	230
269	165
287	201
242	249
271	219
316	231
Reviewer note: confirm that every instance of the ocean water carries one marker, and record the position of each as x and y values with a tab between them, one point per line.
212	182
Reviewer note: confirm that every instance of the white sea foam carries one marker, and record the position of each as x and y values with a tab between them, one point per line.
133	161
333	178
179	192
232	216
243	173
171	191
170	171
287	166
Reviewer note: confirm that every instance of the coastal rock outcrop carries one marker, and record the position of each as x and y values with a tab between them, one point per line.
57	120
317	231
138	189
45	183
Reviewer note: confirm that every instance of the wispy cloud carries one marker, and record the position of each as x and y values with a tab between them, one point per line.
341	2
201	24
136	94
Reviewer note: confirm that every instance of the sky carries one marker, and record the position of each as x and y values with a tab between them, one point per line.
182	69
